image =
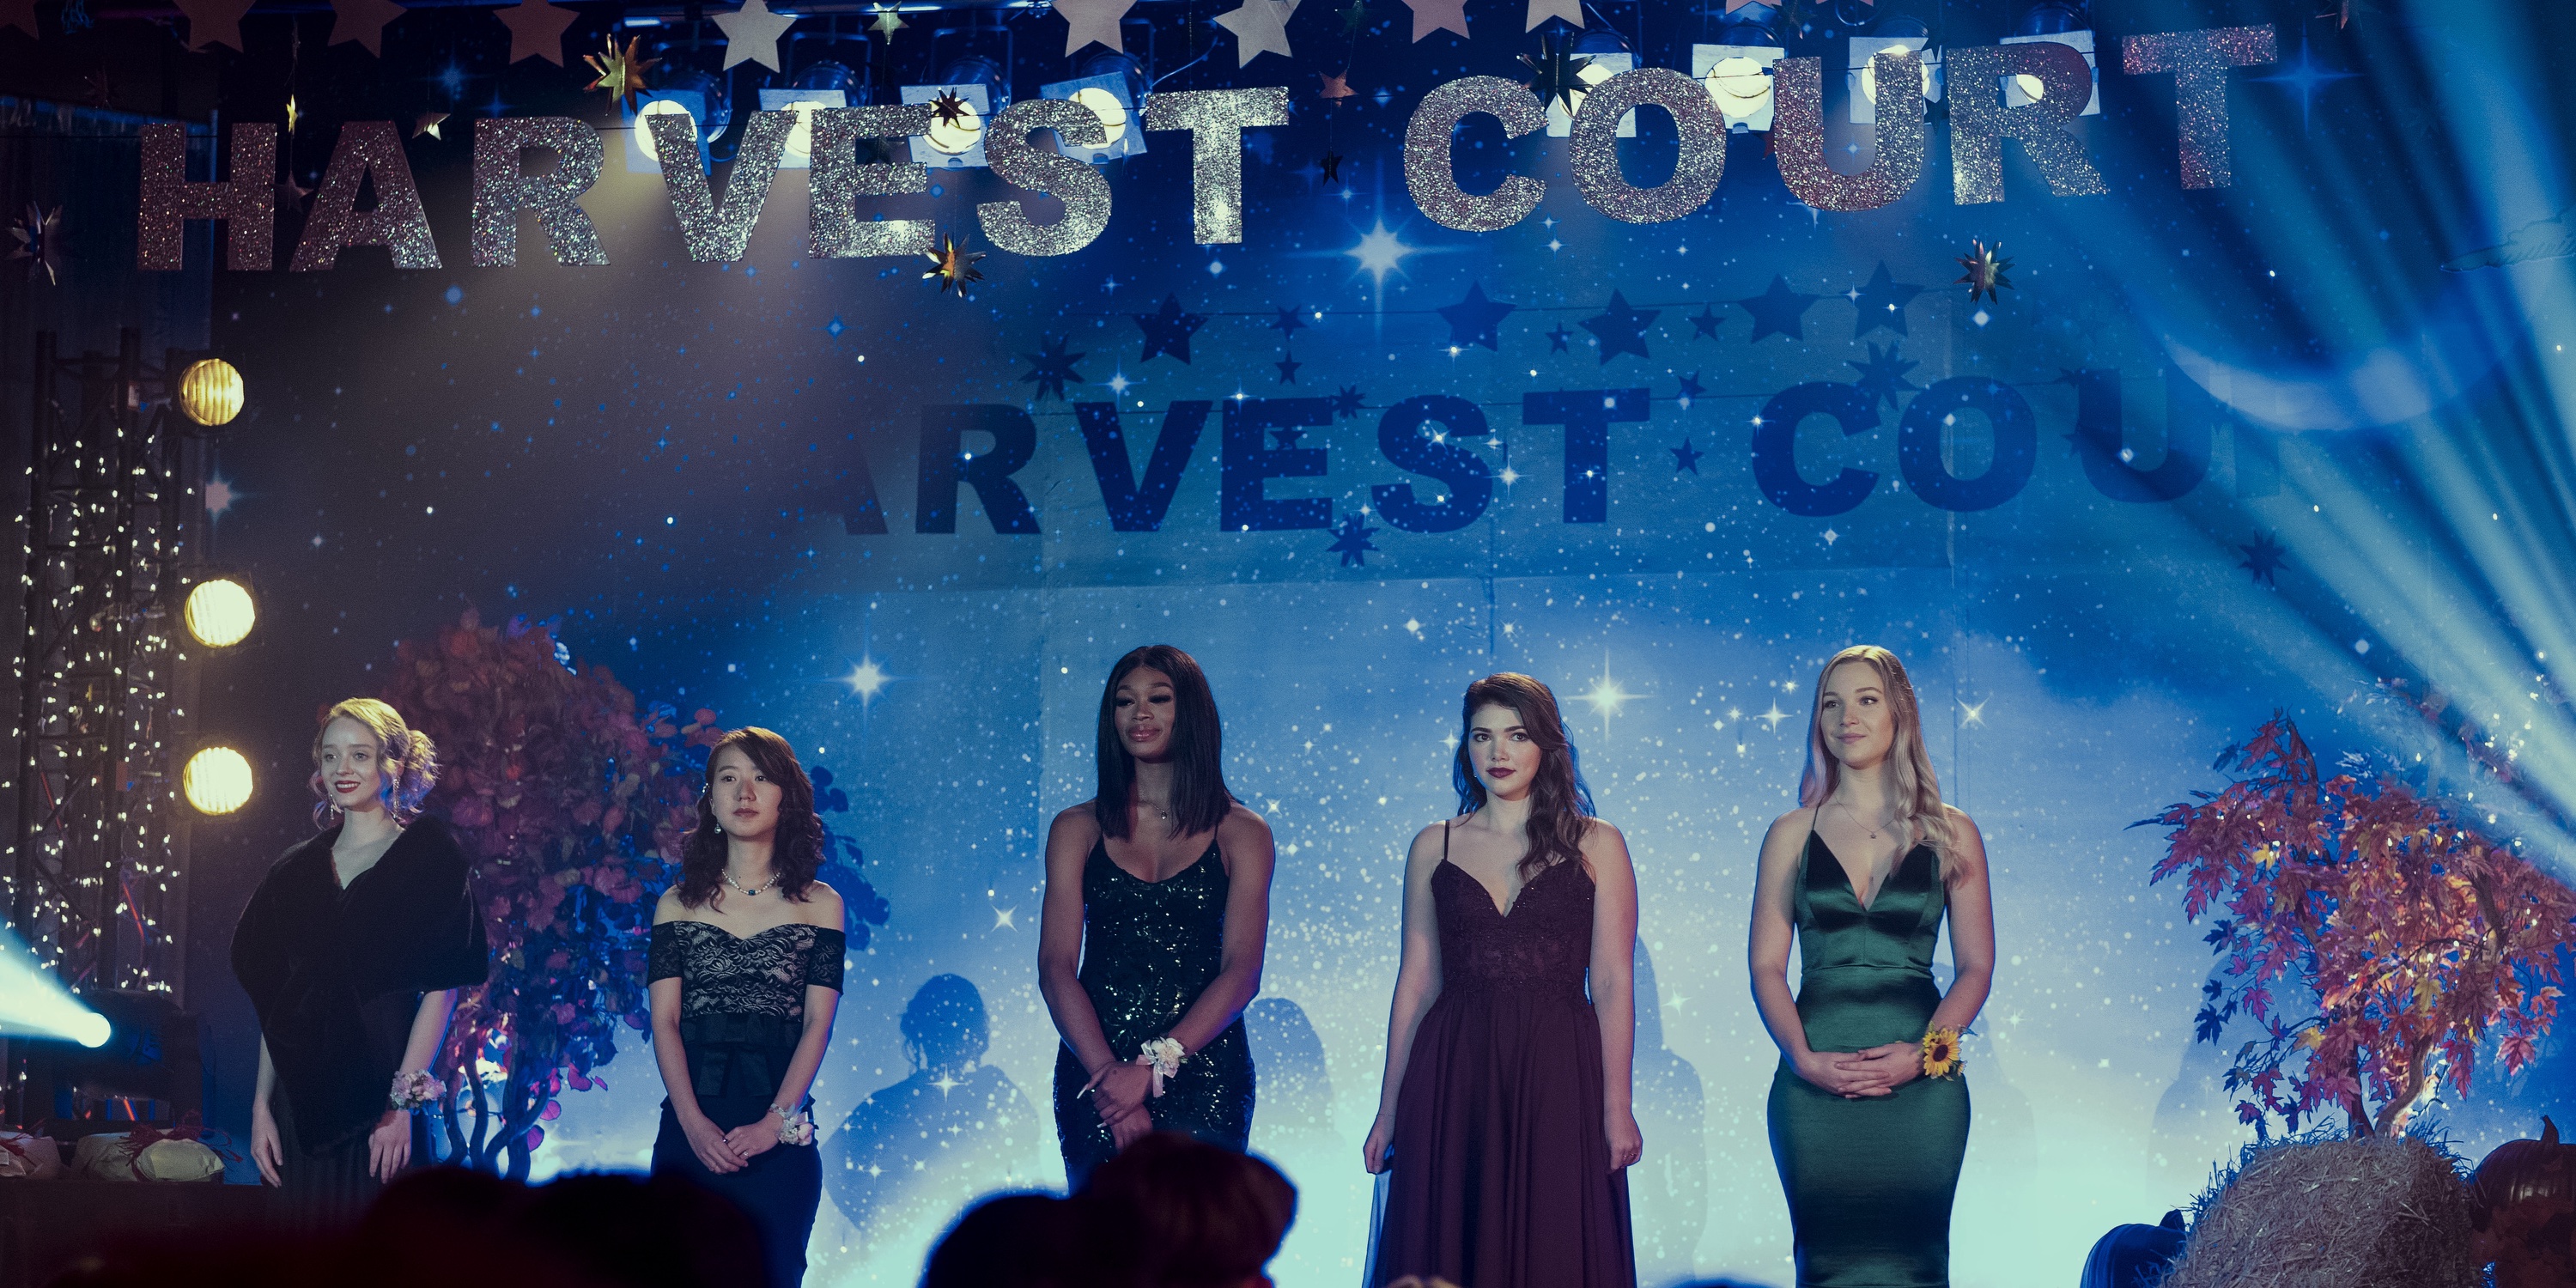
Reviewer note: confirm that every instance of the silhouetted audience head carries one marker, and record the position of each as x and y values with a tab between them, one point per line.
1206	1217
1035	1241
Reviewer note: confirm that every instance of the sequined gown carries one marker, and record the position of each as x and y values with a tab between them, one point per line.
1149	948
1500	1175
742	1012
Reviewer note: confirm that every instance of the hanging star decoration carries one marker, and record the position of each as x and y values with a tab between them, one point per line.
888	21
1881	303
751	34
1089	22
1355	17
1556	75
362	21
1438	15
1779	311
1168	329
1351	541
1346	404
951	109
953	265
1686	457
1259	27
1690	388
1985	276
1288	323
536	29
1051	368
214	22
1473	319
1336	88
294	114
2264	557
1704	323
1332	165
1621	329
1883	375
38	242
429	123
1557	339
1288	365
619	72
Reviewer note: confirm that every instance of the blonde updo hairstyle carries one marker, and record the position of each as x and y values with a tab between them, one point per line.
405	756
1909	765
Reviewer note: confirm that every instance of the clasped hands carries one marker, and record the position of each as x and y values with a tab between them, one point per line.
1118	1094
729	1151
1863	1074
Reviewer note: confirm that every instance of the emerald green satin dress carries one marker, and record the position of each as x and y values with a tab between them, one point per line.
1869	1181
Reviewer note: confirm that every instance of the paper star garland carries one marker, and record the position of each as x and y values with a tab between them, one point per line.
751	34
214	22
1351	541
1346	404
1288	323
294	114
1686	457
953	266
1259	27
1704	323
1621	329
1288	370
1472	320
1556	75
1050	369
363	21
889	22
1437	15
1542	10
1089	22
1985	276
536	29
1168	330
1779	311
620	72
1556	339
1883	375
1881	303
1690	388
2263	558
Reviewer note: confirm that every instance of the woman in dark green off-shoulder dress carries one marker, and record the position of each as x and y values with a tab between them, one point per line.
1156	912
1868	1121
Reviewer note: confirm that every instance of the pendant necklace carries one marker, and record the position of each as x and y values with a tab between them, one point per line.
1855	817
754	891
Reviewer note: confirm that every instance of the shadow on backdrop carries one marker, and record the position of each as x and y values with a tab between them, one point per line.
921	1149
1668	1188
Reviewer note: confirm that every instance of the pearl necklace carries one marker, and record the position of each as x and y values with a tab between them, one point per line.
753	892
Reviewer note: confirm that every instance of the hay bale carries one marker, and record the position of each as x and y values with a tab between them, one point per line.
2321	1212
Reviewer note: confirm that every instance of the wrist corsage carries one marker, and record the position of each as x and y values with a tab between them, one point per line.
793	1128
415	1091
1163	1055
1941	1058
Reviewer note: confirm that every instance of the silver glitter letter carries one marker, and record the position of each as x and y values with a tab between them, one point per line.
1216	120
1433	181
1083	191
1594	144
718	235
835	230
1798	134
246	203
503	188
2199	61
397	223
1979	122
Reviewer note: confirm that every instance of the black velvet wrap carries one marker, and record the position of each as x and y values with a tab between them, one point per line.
337	975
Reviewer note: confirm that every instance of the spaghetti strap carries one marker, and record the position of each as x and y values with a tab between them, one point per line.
1444	839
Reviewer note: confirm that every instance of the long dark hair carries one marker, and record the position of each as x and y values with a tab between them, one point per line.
1199	797
798	849
1559	802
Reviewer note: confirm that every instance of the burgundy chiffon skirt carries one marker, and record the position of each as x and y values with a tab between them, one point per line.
1501	1175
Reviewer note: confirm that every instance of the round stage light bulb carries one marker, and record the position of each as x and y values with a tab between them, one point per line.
210	391
1869	80
644	132
960	137
1105	105
216	780
219	612
1738	86
800	139
91	1030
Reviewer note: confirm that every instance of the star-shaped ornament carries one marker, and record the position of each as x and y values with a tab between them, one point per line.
1259	27
1472	320
953	265
1088	22
1332	166
214	22
1437	15
536	29
1556	339
751	34
1621	329
1556	75
429	123
951	109
1288	370
1336	88
1686	457
1690	388
1779	311
1704	323
620	72
888	21
1542	10
1050	369
1985	276
1351	541
363	21
2264	557
294	114
1168	329
1881	303
1346	404
1288	323
1883	375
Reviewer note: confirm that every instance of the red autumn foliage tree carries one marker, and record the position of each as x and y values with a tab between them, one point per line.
572	803
2418	938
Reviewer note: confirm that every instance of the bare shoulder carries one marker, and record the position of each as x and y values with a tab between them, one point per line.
821	905
1788	834
1427	847
669	907
1968	843
1076	817
1601	836
1243	823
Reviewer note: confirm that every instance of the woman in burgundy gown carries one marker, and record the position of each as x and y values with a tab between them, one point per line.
1503	1126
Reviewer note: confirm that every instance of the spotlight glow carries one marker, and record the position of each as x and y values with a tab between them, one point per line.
216	780
644	131
219	612
35	1004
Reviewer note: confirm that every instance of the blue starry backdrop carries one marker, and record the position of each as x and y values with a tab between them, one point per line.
2204	455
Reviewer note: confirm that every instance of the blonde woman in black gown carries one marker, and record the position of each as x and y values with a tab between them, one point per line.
1862	874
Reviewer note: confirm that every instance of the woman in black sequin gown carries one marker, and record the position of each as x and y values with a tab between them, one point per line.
1157	910
745	977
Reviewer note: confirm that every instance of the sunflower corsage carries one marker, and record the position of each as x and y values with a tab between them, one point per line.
1941	1058
1163	1055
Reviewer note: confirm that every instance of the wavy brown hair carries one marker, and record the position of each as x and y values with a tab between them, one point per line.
1199	796
1559	802
404	755
797	851
1909	765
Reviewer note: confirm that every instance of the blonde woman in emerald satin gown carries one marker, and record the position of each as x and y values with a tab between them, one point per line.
1861	875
